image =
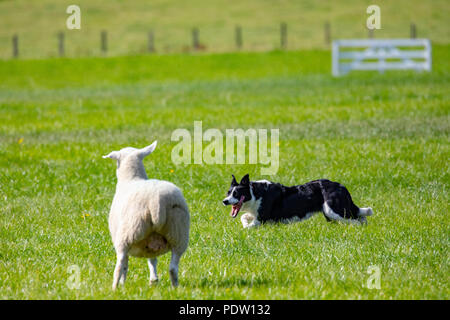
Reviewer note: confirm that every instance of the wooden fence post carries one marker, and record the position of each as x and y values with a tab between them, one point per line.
151	42
283	35
327	30
61	50
104	42
195	41
238	37
15	44
413	31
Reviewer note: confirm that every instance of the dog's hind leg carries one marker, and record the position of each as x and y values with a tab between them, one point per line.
338	204
330	214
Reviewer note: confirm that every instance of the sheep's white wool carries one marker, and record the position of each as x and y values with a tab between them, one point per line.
147	217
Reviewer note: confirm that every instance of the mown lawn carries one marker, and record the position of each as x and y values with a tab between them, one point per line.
386	137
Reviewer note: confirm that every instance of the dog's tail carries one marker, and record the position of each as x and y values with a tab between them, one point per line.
365	212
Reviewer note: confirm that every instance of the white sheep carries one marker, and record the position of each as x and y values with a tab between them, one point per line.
147	218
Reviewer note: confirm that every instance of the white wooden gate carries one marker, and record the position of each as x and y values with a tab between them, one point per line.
380	54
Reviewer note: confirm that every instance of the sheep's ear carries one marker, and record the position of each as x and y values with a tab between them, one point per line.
113	155
147	150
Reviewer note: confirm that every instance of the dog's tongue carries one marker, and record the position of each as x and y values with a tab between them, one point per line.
235	210
236	207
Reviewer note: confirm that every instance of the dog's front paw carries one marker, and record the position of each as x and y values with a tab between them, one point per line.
254	224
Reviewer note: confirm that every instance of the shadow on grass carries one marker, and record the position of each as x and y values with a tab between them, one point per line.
234	281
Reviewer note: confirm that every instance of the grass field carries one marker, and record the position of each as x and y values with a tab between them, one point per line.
386	137
128	22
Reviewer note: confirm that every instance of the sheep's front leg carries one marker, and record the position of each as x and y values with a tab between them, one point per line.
173	267
120	272
153	273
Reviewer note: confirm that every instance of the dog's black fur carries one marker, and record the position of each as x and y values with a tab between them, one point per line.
279	202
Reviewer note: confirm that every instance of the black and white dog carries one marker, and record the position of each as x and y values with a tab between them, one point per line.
265	201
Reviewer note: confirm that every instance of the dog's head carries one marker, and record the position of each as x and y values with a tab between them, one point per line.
238	194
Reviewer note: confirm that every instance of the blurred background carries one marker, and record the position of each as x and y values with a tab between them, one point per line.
171	26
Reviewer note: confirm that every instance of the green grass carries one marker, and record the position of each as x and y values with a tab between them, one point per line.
386	137
128	22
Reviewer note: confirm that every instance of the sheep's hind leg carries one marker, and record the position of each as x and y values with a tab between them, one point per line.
120	272
173	267
152	262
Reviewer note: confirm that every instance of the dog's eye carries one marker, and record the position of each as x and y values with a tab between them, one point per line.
234	193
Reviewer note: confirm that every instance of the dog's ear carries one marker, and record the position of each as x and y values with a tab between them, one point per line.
234	182
245	181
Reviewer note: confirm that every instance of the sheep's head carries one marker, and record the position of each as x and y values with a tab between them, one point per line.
129	161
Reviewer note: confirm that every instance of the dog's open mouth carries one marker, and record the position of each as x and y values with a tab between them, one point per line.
236	207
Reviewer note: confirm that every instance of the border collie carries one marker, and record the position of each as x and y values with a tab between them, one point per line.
265	201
